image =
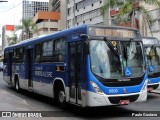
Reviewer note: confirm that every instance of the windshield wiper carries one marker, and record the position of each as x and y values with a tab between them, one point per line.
110	45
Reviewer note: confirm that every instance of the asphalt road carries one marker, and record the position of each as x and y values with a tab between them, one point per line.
10	100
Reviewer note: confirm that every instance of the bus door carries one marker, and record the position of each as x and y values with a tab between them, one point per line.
10	66
74	69
30	68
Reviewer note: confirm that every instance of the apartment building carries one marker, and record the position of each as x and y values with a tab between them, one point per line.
30	8
76	12
59	6
47	22
85	11
155	26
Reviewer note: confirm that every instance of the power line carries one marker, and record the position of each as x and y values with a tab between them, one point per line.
11	8
3	1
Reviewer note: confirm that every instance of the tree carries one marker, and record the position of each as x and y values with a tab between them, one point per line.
12	40
130	10
28	27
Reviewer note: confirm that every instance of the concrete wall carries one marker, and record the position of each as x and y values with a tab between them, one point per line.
63	15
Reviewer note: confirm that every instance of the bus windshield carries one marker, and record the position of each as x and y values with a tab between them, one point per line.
132	57
107	64
104	62
153	57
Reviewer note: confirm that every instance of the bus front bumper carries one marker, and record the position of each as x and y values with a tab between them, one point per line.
94	99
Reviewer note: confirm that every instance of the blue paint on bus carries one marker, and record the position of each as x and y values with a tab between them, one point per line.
85	63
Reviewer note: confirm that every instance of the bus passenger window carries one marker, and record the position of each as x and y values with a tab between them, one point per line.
47	51
37	52
18	55
59	50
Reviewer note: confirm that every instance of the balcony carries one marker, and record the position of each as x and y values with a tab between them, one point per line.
47	25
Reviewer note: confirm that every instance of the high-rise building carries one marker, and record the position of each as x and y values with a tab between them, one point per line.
59	6
85	11
79	12
30	8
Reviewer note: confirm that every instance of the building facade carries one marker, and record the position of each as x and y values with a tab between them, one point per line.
59	6
47	22
77	12
7	33
155	26
85	11
30	8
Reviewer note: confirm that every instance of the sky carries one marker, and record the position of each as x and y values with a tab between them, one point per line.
11	13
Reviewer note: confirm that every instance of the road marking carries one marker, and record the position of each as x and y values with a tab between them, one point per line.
25	102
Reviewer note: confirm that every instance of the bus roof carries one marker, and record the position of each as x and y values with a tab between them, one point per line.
81	28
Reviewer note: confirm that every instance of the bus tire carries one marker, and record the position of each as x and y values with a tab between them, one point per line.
60	96
17	85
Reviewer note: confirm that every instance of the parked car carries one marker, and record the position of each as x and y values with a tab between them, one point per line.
1	66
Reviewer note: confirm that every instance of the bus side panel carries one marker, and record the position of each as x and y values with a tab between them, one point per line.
6	75
19	71
7	69
43	76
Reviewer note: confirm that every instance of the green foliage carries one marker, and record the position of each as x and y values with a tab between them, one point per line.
28	27
127	9
12	40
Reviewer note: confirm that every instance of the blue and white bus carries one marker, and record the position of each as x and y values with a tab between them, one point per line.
152	51
88	65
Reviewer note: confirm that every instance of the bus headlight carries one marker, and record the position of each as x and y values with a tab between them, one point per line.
96	88
144	86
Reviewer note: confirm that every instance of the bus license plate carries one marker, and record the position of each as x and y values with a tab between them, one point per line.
124	102
149	89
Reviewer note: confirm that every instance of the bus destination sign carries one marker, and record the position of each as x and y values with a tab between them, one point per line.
114	32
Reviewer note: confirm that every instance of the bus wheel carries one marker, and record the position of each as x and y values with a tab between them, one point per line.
61	97
17	85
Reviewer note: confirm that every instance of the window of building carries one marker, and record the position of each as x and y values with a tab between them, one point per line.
45	29
69	11
113	22
86	16
69	22
53	29
93	1
79	5
95	13
87	2
59	50
79	18
53	20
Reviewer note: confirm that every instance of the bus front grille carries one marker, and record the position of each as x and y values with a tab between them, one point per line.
154	75
116	100
120	84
